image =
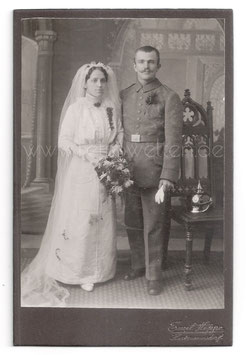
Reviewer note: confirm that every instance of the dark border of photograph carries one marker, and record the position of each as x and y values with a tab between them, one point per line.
123	327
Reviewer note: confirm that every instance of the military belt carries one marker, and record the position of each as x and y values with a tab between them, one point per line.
137	138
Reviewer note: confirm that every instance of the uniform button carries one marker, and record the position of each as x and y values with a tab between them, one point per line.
141	97
138	118
139	111
140	104
137	126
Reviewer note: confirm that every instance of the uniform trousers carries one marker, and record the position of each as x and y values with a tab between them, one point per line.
147	225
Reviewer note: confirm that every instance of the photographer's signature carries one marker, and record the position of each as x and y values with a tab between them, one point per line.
205	331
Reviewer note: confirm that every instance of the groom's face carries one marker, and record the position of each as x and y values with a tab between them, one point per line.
146	65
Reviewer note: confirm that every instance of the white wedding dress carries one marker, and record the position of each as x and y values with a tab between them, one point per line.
80	238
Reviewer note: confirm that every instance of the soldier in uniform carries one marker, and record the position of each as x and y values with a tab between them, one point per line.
152	120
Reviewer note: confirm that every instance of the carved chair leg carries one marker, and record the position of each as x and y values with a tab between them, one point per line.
188	259
207	244
167	228
165	253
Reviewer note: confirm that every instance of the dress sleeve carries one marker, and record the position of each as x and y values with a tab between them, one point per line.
120	132
115	147
66	135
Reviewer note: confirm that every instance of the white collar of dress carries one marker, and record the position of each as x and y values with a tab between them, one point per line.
94	101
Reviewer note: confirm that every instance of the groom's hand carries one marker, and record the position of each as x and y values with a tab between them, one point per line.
167	185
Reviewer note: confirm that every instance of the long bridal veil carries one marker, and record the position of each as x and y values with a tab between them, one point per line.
37	288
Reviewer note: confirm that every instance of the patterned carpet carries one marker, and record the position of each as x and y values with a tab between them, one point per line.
207	291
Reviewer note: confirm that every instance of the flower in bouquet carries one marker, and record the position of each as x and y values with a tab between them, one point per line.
114	174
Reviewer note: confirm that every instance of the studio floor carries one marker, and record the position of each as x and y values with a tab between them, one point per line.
208	282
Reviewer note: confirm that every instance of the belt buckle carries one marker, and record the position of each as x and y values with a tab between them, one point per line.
135	138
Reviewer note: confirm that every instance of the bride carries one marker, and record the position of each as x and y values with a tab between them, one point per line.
79	243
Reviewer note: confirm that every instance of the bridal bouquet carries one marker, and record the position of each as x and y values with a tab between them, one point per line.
114	174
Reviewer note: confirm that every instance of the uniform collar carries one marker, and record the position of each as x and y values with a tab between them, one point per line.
154	84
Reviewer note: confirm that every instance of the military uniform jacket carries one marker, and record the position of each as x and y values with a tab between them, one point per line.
152	120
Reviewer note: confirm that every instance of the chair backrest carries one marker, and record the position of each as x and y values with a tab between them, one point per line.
197	145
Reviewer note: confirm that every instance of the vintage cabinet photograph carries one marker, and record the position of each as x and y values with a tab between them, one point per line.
121	171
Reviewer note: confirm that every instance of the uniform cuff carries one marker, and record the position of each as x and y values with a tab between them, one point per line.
173	182
170	174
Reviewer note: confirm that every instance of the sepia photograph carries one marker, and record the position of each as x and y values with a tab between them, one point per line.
121	173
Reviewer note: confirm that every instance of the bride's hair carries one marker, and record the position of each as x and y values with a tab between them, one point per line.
91	70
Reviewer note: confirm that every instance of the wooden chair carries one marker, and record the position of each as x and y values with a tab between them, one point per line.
196	165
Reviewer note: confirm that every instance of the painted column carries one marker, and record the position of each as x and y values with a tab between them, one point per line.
45	38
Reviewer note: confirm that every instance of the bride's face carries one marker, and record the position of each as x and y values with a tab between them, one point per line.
96	83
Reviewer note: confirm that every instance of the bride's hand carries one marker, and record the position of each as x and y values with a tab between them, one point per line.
92	158
78	151
115	150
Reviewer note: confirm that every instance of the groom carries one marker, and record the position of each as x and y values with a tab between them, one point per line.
152	120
